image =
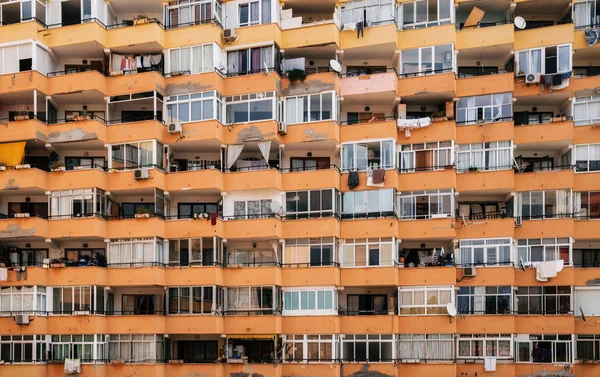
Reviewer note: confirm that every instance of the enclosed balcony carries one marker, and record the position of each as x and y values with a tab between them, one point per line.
488	25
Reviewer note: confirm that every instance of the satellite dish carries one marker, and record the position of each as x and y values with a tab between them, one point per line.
451	309
520	22
335	65
582	314
275	207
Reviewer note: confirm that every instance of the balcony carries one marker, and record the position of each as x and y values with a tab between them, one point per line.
490	228
369	276
374	227
426	36
375	35
311	34
548	324
248	179
245	275
370	85
427	180
527	278
269	227
440	228
305	275
312	179
489	275
586	229
310	324
544	133
249	323
548	36
546	228
486	324
485	36
430	86
367	324
22	130
485	84
327	226
424	276
586	181
426	324
544	180
379	129
327	131
485	180
486	132
391	180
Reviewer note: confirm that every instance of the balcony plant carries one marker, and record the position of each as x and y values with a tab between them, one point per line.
22	112
141	19
296	75
57	263
439	116
57	166
83	115
142	212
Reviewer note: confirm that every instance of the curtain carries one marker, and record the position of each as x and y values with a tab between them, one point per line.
479	300
408	160
254	16
256	61
233	153
232	61
348	255
12	154
266	11
197	59
267	56
265	149
563	202
536	61
207	58
291	109
563	58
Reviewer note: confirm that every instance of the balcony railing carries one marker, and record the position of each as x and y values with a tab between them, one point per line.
355	312
481	73
249	313
368	121
484	121
426	73
426	168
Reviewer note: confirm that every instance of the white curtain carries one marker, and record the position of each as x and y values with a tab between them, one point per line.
265	149
563	201
233	153
186	59
174	58
197	59
479	302
207	58
536	61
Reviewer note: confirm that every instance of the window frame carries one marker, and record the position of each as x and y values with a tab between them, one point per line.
487	151
352	195
309	213
370	338
428	22
543	297
423	342
291	343
565	193
529	52
410	198
475	296
293	297
426	306
299	116
529	340
411	150
525	245
369	244
422	69
485	243
249	99
353	165
484	339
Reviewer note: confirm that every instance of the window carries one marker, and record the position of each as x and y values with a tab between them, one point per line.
193	300
310	301
543	250
195	107
495	251
257	300
310	204
587	301
479	346
425	300
586	258
253	257
194	59
544	204
182	13
428	156
149	153
22	300
204	251
584	13
360	204
425	347
305	252
254	13
145	348
484	109
426	13
484	300
66	204
427	60
587	157
426	204
374	12
309	348
311	108
252	60
191	210
372	348
66	300
586	110
588	347
250	107
545	61
377	154
543	300
252	209
545	348
78	347
136	252
368	252
497	155
22	348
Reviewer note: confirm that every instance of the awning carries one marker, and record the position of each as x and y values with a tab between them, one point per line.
12	154
251	336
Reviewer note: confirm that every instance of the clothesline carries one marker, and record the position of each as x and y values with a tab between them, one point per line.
120	63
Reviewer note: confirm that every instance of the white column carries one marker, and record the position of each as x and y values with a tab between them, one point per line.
35	102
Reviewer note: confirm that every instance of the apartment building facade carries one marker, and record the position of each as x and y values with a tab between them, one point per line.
296	188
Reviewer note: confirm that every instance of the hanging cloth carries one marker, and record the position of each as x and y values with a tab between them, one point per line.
146	63
265	149
138	62
117	62
12	154
156	59
233	153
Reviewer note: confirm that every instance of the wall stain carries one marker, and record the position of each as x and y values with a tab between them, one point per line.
310	134
41	136
546	373
11	184
307	87
186	88
595	281
253	133
365	372
76	134
15	230
587	92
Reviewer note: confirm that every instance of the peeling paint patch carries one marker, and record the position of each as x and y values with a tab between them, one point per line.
308	87
423	93
41	136
595	281
365	372
76	134
11	184
186	88
587	92
14	230
546	373
252	133
310	134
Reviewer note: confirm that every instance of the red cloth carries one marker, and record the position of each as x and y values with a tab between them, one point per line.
213	218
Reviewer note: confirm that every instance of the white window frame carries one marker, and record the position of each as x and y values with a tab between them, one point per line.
157	154
294	297
22	340
298	116
425	308
364	210
487	244
428	22
466	154
297	246
170	68
566	213
92	196
524	246
585	102
410	199
477	298
530	68
126	245
188	6
349	245
530	339
357	11
180	311
190	99
36	294
586	166
407	155
422	69
353	165
309	213
485	339
136	342
588	338
249	98
290	343
424	343
590	13
491	113
236	290
63	347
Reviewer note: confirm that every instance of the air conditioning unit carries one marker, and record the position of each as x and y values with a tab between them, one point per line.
229	35
22	215
440	216
518	221
140	174
532	78
81	312
175	128
282	128
22	319
470	272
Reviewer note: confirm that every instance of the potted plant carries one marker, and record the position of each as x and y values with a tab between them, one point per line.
439	116
57	263
296	75
142	212
141	19
2	166
22	112
58	166
83	115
